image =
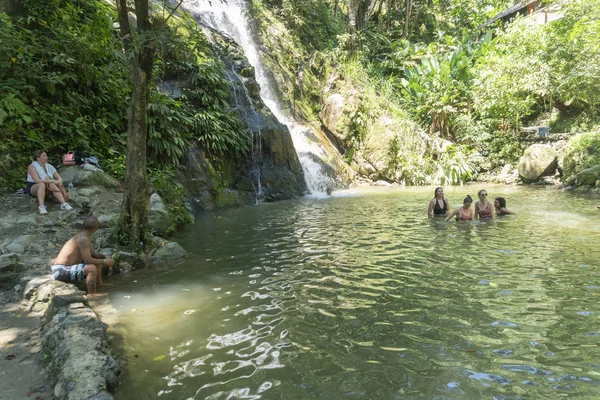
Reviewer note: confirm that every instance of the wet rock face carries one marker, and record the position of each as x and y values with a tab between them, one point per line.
281	173
236	183
537	161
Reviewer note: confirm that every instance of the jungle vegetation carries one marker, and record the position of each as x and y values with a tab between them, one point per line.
469	87
461	92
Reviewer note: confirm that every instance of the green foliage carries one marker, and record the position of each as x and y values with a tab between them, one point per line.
452	164
437	88
201	114
168	125
573	55
513	73
311	20
171	191
62	85
582	151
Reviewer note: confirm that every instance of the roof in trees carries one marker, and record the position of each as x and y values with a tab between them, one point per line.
522	7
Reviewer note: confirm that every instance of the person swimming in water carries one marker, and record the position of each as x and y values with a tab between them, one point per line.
484	209
439	205
500	206
463	213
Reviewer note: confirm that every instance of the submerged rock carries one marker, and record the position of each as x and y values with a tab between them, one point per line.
167	251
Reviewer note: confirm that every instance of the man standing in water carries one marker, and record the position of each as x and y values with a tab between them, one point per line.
77	261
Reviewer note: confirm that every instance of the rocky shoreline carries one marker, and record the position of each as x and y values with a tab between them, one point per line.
70	339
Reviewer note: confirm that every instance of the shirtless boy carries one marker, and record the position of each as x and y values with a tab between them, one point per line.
77	261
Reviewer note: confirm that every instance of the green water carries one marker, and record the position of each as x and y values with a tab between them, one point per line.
361	296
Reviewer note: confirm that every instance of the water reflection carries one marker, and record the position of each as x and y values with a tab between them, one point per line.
362	296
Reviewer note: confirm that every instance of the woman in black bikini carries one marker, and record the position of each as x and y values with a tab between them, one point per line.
439	205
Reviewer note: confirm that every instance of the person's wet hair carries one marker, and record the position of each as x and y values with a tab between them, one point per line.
436	190
90	223
468	199
37	154
501	201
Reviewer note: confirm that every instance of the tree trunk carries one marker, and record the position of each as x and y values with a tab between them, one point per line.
389	13
406	32
136	200
351	26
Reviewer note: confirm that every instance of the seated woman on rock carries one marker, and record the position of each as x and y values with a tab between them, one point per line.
464	213
439	205
484	209
500	206
43	179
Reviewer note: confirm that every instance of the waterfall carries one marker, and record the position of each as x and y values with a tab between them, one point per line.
243	105
228	18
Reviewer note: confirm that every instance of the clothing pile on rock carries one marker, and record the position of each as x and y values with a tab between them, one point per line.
89	163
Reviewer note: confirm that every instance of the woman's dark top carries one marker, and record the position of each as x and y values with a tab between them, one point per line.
437	210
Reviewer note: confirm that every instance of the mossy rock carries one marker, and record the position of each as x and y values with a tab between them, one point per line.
588	176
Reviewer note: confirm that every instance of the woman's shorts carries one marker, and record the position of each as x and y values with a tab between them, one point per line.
28	187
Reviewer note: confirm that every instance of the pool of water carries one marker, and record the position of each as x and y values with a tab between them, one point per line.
361	296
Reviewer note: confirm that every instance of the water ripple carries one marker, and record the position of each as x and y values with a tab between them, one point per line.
364	297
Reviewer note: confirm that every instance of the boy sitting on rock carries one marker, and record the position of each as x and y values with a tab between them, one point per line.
77	261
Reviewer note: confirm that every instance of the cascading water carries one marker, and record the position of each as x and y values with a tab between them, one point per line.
243	105
229	18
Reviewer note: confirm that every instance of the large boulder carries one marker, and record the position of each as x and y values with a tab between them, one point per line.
281	171
159	219
537	161
167	251
82	177
332	111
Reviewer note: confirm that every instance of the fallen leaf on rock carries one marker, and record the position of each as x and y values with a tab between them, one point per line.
158	358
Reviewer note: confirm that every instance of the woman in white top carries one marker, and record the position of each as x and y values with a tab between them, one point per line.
43	178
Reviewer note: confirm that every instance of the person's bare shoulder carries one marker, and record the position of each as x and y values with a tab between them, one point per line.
81	240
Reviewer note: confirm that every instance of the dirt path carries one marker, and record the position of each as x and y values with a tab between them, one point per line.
21	374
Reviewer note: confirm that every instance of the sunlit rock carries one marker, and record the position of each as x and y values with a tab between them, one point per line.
537	161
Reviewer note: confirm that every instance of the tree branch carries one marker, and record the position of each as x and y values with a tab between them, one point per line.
173	12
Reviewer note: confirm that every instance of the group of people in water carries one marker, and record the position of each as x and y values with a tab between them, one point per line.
439	206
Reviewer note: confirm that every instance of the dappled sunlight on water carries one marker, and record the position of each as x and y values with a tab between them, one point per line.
360	295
